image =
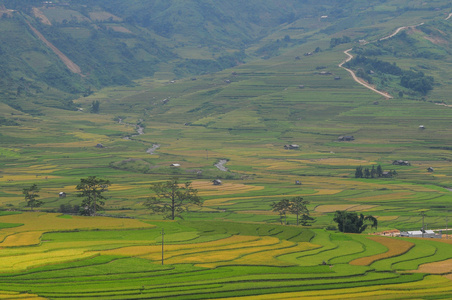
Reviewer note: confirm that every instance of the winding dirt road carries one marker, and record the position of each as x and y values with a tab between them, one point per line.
361	81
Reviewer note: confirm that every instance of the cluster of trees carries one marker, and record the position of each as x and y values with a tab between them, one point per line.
337	41
351	222
171	200
91	189
416	81
296	206
373	172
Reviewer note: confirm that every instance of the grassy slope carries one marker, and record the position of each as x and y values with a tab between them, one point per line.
246	121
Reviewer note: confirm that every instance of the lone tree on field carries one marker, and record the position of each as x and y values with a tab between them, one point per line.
296	206
31	195
352	222
282	207
172	198
91	189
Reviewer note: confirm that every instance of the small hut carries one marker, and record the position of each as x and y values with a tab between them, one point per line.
216	182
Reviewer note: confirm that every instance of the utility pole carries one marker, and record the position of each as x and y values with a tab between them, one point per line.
447	219
423	215
163	234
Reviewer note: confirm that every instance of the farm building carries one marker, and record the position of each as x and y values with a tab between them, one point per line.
62	195
346	138
175	165
401	163
430	169
291	147
386	174
216	182
421	233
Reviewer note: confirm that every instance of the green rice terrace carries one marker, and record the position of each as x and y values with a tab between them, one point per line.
347	108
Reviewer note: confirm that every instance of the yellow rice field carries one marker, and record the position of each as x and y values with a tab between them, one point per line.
264	257
46	222
26	238
23	177
348	207
143	250
23	262
397	195
245	250
18	295
439	267
206	188
340	162
395	247
429	285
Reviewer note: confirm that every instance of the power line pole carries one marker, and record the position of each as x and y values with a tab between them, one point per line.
447	219
423	215
163	234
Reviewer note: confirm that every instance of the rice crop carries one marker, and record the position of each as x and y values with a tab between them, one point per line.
395	247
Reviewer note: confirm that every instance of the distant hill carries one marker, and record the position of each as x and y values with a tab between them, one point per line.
114	42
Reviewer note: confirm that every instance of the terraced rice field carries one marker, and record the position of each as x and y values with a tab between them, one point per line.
209	260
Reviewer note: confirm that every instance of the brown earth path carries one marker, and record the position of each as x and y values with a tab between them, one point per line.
361	81
69	63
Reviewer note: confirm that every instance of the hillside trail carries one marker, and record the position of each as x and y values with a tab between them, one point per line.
361	81
449	16
69	63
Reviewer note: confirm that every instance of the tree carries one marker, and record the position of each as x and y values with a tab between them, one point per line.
92	189
31	195
172	198
379	171
359	172
95	107
366	173
298	207
352	222
373	172
281	207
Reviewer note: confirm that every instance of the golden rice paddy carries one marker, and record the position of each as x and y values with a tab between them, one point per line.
392	196
395	247
26	238
23	262
206	188
34	222
348	207
430	284
439	267
24	177
340	162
